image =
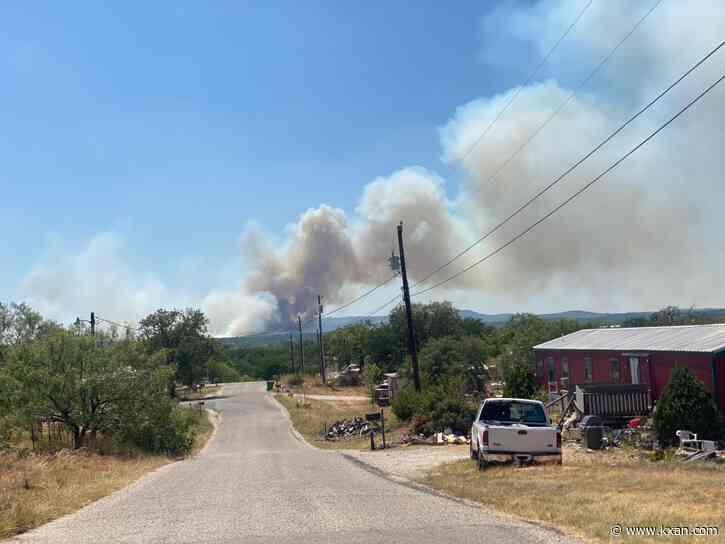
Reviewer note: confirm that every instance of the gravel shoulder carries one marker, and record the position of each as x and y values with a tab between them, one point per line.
411	462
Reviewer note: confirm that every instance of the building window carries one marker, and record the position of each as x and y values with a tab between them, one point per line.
551	369
564	369
587	369
616	375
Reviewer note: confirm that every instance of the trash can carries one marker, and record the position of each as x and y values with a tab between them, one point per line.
270	385
592	432
592	437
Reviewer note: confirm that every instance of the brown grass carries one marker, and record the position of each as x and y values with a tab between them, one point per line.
314	386
310	418
592	492
38	487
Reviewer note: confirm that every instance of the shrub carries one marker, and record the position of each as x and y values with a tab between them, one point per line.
407	403
685	405
221	372
163	428
520	381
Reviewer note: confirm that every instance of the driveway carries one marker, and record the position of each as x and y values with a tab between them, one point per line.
257	483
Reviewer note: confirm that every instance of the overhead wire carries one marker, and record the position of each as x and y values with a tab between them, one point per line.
531	76
575	165
578	192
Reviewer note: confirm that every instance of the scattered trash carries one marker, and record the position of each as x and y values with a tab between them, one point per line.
347	428
692	449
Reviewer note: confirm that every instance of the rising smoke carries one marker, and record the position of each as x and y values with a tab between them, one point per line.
647	235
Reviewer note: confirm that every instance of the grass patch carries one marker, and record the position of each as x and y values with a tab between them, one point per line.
313	386
592	492
36	488
39	486
311	417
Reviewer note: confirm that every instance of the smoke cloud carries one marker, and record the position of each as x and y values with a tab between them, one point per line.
643	237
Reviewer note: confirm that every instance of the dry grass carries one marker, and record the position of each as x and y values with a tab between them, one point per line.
314	386
310	418
592	492
38	487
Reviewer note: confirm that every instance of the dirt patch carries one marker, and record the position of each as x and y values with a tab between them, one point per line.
412	462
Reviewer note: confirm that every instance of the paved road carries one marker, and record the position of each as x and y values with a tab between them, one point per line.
257	483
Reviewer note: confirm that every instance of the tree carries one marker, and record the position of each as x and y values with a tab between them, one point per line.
442	359
372	375
70	380
183	338
686	404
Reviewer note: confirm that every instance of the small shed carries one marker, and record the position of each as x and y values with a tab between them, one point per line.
638	355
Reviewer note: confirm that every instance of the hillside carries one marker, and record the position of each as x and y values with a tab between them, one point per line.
582	316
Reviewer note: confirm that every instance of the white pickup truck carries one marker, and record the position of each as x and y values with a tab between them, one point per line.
514	430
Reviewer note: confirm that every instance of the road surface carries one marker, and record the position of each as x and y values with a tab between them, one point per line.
257	483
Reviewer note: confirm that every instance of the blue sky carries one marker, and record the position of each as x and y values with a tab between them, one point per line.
176	124
171	127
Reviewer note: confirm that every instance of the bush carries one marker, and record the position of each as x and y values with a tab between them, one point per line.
520	381
435	409
407	403
222	372
163	428
686	405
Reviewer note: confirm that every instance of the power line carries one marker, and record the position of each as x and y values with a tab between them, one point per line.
573	166
365	294
526	82
577	193
571	96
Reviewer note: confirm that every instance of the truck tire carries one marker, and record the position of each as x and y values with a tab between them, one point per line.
473	453
482	463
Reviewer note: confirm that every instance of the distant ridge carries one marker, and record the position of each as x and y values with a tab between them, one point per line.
582	316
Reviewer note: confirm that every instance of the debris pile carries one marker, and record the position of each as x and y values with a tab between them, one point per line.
435	439
347	428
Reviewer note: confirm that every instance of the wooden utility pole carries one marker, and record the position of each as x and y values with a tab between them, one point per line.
93	324
291	354
408	311
322	349
302	347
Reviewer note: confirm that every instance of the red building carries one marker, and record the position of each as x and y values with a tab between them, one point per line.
644	355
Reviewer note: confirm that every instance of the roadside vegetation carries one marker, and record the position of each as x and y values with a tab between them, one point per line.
83	415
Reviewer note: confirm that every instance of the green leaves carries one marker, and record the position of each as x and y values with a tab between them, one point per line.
686	404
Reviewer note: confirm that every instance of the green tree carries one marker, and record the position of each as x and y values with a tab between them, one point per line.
372	375
686	404
70	380
183	338
442	359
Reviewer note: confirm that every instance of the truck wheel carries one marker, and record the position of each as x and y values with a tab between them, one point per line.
482	463
472	452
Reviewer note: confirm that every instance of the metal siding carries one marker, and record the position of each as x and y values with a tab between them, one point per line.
687	338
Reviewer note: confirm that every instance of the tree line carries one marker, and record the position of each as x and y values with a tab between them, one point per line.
121	389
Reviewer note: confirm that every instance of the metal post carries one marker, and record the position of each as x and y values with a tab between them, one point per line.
93	324
408	311
382	425
322	348
302	347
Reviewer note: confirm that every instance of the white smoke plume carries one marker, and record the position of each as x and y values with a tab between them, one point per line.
648	234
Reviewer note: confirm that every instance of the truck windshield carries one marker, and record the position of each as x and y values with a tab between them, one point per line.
513	412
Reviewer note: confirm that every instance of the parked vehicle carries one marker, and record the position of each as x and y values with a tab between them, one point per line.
514	430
